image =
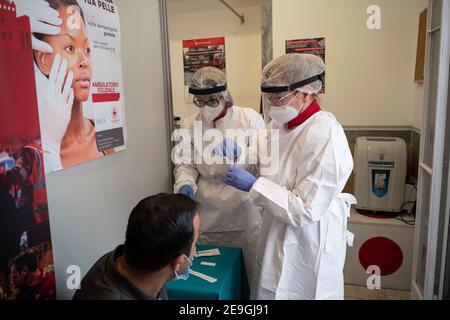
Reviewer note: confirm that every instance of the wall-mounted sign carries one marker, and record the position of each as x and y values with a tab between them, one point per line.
314	46
202	53
82	120
61	104
26	259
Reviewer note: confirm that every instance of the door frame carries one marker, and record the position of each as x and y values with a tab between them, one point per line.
436	172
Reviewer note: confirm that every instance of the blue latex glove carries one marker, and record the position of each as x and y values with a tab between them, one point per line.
187	191
240	179
228	148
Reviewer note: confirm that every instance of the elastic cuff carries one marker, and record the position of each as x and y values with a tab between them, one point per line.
254	193
178	185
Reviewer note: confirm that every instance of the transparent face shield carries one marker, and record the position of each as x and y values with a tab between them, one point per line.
210	97
212	101
279	99
276	100
279	95
266	110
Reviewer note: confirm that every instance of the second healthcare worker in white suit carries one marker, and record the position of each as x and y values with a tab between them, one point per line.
304	211
228	218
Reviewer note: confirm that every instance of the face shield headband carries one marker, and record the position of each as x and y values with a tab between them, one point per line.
208	91
294	86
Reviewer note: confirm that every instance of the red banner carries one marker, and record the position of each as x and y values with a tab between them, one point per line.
25	242
204	42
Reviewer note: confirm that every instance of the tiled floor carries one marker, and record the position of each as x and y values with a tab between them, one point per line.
362	293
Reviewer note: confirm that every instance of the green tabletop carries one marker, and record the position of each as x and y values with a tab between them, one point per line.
230	271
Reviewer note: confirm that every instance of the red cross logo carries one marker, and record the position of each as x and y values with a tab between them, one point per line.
115	113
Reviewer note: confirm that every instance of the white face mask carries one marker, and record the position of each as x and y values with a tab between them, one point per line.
210	113
282	115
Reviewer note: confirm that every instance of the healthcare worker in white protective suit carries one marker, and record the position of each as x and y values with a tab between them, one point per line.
228	218
305	214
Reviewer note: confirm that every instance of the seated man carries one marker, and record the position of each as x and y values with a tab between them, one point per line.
159	245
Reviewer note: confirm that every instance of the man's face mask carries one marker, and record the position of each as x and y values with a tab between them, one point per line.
185	274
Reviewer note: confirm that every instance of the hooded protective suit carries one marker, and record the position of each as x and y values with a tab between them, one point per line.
304	229
227	216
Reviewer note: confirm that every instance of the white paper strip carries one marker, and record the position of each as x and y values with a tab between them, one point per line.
208	253
203	276
208	264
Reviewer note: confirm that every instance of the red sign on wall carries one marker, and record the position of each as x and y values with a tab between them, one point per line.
25	241
202	53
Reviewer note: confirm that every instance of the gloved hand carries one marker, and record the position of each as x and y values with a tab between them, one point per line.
228	148
187	191
55	108
43	19
240	179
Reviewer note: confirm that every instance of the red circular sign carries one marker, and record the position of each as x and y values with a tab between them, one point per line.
381	252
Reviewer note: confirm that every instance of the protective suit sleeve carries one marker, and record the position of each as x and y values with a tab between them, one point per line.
311	197
250	157
259	124
185	175
185	172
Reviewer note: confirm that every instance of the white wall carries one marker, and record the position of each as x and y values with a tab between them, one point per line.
370	74
90	204
194	19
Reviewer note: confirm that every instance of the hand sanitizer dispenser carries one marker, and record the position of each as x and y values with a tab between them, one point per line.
380	174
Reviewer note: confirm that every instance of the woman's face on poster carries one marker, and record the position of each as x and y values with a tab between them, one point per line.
72	44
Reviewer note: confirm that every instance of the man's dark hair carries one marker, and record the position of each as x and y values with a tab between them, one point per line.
27	259
160	228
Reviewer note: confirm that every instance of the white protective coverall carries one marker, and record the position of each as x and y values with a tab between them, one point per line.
304	229
228	218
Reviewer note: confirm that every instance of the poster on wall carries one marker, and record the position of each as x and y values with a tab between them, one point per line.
26	258
78	72
314	46
202	53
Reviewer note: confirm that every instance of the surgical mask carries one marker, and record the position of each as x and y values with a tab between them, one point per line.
185	274
284	114
211	113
